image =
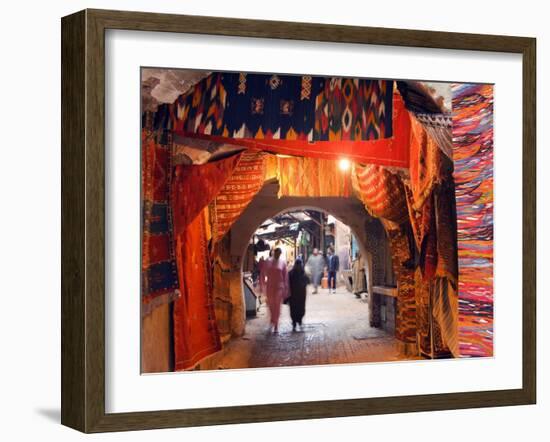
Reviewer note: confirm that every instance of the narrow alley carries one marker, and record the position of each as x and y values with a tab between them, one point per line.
335	330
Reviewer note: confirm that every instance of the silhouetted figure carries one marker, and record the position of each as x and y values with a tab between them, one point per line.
298	282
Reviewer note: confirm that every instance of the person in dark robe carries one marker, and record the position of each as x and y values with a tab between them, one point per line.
298	282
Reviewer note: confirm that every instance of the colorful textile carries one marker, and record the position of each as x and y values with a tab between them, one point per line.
393	151
201	110
195	330
425	164
195	186
445	231
436	316
434	232
269	106
440	128
445	314
258	106
159	282
423	312
353	109
405	317
245	182
473	176
312	177
381	191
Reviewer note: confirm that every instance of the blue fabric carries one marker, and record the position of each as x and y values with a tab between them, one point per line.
161	276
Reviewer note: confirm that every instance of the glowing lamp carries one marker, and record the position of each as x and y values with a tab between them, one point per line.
344	164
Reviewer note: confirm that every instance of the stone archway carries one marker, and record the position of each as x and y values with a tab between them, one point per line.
267	204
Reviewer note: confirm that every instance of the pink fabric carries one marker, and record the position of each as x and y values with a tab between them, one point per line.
274	281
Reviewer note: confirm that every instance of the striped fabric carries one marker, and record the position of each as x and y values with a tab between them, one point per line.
312	177
381	191
473	176
245	182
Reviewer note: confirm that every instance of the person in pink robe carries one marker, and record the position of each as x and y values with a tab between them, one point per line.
274	280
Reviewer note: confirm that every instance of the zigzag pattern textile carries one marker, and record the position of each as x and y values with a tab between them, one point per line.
285	107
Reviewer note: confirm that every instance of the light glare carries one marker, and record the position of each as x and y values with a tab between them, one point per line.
344	164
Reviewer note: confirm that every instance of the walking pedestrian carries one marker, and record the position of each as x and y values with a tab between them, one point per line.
274	280
333	265
314	267
298	282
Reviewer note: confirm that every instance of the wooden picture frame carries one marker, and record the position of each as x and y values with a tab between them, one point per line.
83	220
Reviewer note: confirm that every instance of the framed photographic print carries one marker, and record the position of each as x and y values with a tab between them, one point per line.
268	221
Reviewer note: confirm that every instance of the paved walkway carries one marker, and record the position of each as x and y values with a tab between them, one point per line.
335	331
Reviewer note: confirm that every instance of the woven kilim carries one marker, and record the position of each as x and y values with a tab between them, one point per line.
159	283
381	191
195	330
196	186
473	176
405	316
425	163
285	107
245	182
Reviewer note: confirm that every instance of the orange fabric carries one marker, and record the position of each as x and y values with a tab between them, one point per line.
425	163
193	188
245	182
195	331
381	191
312	177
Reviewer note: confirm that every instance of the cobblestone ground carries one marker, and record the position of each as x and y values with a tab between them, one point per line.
335	331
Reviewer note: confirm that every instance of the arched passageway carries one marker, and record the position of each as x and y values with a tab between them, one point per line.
267	204
338	328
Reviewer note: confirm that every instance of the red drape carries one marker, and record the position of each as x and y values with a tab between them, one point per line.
195	186
195	330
